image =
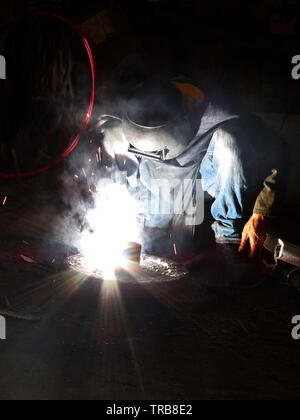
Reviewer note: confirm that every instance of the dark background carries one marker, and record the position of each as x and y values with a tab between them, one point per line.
242	48
186	340
246	48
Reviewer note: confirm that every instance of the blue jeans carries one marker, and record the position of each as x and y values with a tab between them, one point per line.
224	177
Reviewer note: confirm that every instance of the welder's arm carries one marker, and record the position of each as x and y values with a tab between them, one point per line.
267	201
266	207
116	146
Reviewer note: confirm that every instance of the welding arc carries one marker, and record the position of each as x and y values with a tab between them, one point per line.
75	142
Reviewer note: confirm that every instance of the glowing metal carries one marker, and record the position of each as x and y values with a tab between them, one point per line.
151	270
113	224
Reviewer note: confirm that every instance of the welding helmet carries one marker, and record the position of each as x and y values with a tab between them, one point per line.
156	122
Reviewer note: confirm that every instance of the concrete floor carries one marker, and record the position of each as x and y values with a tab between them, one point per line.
192	339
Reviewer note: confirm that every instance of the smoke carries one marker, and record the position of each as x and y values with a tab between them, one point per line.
90	176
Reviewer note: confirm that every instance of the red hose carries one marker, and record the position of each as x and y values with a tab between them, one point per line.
75	142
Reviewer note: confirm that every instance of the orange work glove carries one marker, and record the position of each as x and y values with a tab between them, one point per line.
254	235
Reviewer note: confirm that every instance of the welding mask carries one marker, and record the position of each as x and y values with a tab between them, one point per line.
156	123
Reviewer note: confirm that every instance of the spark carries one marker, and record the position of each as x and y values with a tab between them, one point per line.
4	201
84	173
76	176
27	259
99	155
175	249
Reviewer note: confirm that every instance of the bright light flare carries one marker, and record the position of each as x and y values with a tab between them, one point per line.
113	223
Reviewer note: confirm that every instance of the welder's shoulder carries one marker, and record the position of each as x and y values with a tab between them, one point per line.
250	126
230	129
238	130
253	130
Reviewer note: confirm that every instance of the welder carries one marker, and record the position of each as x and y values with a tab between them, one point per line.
172	130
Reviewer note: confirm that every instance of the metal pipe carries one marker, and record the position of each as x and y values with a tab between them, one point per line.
153	156
283	251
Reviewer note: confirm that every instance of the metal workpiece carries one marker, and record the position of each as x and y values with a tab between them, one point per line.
283	251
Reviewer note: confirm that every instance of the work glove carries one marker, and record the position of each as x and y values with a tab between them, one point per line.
116	146
113	142
254	235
